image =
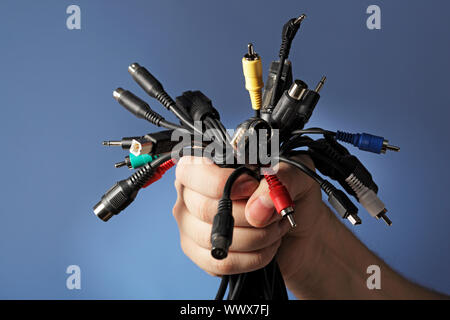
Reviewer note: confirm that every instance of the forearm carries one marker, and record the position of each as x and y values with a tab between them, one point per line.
339	269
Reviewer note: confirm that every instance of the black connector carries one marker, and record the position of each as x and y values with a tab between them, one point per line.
140	108
149	83
285	82
123	193
287	36
285	115
197	105
341	203
154	89
335	161
222	230
309	102
125	143
117	198
154	143
136	106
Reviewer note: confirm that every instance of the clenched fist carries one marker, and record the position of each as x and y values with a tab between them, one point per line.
259	231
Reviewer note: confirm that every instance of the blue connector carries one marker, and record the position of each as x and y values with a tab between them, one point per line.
366	142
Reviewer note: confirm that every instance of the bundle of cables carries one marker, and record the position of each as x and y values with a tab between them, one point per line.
281	109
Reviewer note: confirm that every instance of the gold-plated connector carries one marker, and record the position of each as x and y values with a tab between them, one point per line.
320	84
251	65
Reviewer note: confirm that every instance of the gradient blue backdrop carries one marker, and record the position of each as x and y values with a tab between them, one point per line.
57	107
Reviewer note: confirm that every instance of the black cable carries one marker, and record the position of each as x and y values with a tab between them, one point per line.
170	125
238	287
295	142
287	36
141	109
280	292
231	285
299	165
187	122
268	285
337	198
277	81
328	161
212	125
222	288
313	131
233	177
224	131
154	89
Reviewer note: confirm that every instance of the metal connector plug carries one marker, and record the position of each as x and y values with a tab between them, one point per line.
386	146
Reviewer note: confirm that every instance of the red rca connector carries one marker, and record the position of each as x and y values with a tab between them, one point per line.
159	172
280	198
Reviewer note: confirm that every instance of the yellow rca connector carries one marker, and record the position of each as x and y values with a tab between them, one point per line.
251	64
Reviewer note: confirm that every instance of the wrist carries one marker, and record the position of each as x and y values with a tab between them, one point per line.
307	251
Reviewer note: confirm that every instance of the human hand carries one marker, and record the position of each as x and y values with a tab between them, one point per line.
259	231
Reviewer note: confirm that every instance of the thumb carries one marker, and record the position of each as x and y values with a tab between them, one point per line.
259	210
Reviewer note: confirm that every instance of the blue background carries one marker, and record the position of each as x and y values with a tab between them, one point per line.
57	107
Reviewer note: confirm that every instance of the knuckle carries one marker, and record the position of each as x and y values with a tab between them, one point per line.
218	184
205	210
179	171
176	209
202	239
259	259
179	203
261	236
224	266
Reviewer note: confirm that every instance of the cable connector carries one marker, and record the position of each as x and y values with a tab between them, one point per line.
281	198
159	172
285	114
153	143
341	203
140	108
154	89
150	84
134	162
197	105
288	34
116	199
285	81
368	199
136	106
252	67
222	229
125	143
309	102
123	193
366	142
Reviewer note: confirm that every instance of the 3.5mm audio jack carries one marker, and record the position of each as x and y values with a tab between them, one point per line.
320	84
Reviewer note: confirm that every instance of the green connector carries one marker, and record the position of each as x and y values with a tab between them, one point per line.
139	161
134	162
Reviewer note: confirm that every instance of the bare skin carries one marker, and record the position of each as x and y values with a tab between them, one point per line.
320	259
